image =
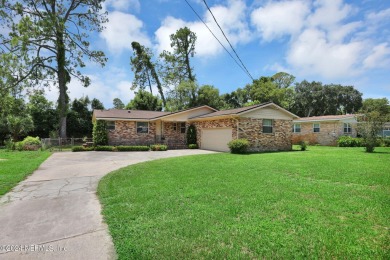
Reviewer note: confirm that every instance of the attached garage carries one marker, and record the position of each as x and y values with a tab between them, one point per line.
216	139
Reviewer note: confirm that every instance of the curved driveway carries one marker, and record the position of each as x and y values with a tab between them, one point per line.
55	212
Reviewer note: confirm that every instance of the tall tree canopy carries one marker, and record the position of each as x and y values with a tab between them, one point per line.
144	100
145	73
48	41
380	105
177	66
118	104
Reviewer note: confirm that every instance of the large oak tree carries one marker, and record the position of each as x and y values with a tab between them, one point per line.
47	44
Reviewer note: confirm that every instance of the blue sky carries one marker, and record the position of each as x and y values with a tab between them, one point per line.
332	41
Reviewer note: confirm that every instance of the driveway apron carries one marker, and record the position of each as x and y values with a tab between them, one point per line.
55	212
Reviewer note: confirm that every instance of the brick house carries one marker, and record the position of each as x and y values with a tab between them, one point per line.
267	126
323	130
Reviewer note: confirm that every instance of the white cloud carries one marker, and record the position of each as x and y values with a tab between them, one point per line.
121	30
231	18
277	19
379	57
312	54
329	13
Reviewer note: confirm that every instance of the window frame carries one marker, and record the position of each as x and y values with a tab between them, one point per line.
182	127
295	128
271	126
138	127
314	127
348	127
110	125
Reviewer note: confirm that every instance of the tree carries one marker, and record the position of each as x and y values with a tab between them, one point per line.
177	64
182	96
191	135
381	105
209	95
43	114
144	70
144	100
118	104
79	119
96	104
49	42
19	125
283	79
264	90
235	99
369	125
99	133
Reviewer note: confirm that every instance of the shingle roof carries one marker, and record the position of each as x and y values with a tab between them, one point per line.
129	114
234	111
325	118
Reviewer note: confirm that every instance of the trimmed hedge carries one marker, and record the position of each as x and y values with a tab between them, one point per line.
238	145
159	147
81	149
105	148
347	141
132	148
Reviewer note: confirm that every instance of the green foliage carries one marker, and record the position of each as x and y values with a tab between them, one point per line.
183	96
132	148
82	149
369	125
209	95
192	146
10	144
144	100
380	105
118	104
159	147
19	125
79	119
99	133
96	104
303	145
348	141
386	142
191	135
104	148
238	146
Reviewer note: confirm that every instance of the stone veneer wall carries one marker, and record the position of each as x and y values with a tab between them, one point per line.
328	135
221	123
279	140
125	133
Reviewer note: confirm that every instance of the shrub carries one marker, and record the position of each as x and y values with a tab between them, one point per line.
104	148
347	141
31	143
81	149
193	146
191	135
159	147
99	133
238	146
386	142
303	145
132	148
10	144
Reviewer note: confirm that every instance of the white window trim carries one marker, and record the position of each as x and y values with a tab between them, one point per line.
272	126
295	128
136	127
347	126
319	127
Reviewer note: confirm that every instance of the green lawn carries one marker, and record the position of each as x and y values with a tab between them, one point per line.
15	166
326	202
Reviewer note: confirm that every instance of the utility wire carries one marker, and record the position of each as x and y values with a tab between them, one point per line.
239	65
227	39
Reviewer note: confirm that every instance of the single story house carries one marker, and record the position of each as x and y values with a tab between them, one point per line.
324	130
267	127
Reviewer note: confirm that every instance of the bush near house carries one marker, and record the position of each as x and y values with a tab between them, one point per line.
347	141
159	147
192	146
138	148
238	146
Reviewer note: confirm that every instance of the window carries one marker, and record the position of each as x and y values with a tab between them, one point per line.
174	126
316	128
142	127
267	126
183	128
110	125
297	128
347	128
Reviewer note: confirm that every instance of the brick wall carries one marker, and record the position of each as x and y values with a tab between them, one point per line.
251	129
328	135
172	136
279	140
125	133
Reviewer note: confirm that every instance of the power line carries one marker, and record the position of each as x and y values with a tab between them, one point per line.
227	39
244	69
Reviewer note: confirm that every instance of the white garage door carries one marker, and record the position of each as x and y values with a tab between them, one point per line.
216	139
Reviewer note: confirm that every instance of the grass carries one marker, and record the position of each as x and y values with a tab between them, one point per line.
15	166
326	202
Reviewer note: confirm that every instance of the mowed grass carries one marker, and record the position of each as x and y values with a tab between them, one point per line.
326	202
15	166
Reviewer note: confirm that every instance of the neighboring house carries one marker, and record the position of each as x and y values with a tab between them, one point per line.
266	126
386	130
323	130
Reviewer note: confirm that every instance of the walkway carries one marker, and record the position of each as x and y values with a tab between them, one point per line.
55	212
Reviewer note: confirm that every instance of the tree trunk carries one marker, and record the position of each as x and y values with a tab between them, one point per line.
62	81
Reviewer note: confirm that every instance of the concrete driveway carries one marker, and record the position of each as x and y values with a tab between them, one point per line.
55	212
